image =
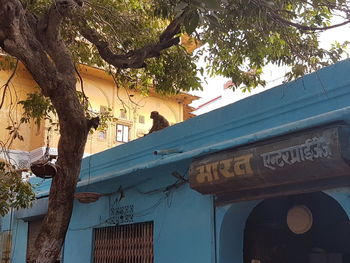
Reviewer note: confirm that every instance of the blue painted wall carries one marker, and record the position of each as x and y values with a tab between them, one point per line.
180	215
19	241
186	227
230	226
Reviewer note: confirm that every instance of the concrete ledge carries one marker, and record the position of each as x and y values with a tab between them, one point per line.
38	209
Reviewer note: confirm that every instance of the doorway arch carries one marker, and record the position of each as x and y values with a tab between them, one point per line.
269	239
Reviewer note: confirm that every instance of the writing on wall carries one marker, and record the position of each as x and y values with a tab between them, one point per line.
312	149
295	157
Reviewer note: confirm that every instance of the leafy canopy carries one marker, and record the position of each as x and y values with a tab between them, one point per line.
239	36
14	192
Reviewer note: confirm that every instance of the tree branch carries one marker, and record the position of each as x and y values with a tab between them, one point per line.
306	28
135	58
6	85
37	42
21	40
274	14
49	33
18	38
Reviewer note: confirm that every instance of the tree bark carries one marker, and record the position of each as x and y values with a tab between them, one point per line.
36	42
70	151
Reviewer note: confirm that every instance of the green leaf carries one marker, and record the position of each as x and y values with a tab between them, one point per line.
180	7
213	20
191	23
212	4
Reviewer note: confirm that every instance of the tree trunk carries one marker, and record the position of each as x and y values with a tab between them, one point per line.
36	42
74	132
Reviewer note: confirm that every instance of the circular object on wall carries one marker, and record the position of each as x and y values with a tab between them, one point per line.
299	219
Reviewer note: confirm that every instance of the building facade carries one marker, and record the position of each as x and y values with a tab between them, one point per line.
263	180
129	111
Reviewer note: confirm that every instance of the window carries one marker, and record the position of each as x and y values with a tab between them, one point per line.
122	133
102	135
142	119
132	243
122	114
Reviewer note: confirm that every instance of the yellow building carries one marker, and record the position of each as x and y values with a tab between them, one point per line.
130	109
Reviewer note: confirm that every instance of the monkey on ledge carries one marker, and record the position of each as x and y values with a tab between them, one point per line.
159	122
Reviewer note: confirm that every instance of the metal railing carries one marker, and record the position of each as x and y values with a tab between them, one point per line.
132	243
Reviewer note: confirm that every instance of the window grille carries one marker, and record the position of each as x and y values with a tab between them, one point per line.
132	243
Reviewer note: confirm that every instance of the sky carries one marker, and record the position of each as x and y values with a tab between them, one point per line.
273	74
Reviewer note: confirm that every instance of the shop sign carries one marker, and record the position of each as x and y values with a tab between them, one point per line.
306	156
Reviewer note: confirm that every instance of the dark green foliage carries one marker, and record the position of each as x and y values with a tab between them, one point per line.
177	64
36	107
14	192
240	37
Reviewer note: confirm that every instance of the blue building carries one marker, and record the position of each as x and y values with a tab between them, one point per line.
263	180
